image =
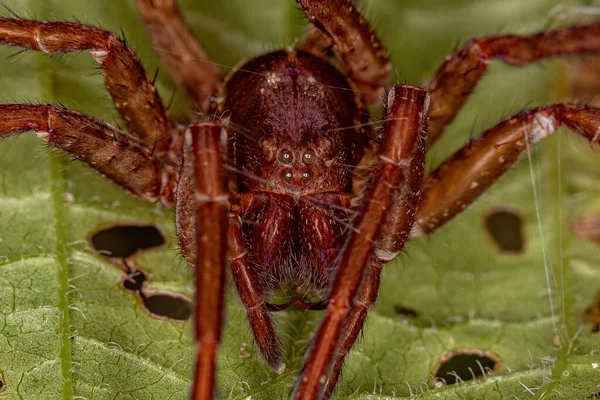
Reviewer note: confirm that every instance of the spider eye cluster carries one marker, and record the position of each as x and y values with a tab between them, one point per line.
286	157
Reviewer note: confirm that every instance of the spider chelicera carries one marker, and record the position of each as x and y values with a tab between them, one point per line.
287	180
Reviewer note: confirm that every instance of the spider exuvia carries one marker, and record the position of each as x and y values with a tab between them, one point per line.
286	176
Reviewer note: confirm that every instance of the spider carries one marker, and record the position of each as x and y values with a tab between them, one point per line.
290	153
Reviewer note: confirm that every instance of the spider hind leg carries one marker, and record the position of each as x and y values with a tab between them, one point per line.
179	50
456	79
113	153
131	90
466	175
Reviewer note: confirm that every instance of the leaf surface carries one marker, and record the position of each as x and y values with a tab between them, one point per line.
69	330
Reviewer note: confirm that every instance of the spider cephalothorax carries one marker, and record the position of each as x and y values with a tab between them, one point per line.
292	165
274	185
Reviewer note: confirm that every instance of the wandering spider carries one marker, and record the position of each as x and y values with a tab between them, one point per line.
539	123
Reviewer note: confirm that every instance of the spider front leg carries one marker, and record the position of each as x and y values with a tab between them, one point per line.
136	100
202	197
455	80
252	297
403	143
179	50
354	324
113	153
354	41
462	178
396	232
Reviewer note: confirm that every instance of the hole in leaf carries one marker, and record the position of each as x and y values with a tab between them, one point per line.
594	396
465	365
160	304
505	228
124	240
168	305
591	315
405	311
134	280
587	228
2	384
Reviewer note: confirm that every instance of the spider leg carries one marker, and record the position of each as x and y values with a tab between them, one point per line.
136	100
354	323
456	78
317	42
115	154
210	199
395	234
179	50
245	279
251	296
462	178
355	43
403	141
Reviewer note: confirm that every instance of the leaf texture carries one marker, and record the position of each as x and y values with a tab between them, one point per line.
68	330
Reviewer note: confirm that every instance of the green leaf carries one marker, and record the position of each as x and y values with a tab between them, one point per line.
69	330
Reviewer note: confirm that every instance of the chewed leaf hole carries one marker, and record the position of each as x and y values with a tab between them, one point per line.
168	305
159	304
505	228
2	384
406	311
465	365
134	280
124	240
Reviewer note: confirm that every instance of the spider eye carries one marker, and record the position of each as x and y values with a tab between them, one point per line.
287	175
286	156
305	175
309	157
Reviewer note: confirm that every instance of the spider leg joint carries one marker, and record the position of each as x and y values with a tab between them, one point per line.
543	126
43	135
99	55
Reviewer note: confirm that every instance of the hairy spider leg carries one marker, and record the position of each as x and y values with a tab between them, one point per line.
456	78
130	88
354	324
180	51
467	174
395	234
115	154
403	139
363	57
204	152
317	42
252	298
245	279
